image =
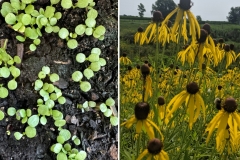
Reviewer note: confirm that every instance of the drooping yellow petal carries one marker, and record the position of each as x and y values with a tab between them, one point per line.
149	129
156	127
191	106
223	123
143	154
199	99
150	157
129	122
139	126
165	155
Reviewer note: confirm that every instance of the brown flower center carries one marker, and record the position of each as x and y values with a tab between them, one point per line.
203	36
154	146
192	88
185	4
207	28
157	16
161	101
227	48
140	29
145	70
142	110
230	105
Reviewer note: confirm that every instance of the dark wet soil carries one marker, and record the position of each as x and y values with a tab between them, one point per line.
98	137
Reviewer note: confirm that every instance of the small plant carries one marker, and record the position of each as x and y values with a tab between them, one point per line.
8	70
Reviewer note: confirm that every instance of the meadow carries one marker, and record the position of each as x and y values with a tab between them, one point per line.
179	92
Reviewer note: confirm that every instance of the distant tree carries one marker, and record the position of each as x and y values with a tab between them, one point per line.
141	10
164	6
199	19
234	15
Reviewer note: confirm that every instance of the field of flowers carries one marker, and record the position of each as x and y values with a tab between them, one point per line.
179	100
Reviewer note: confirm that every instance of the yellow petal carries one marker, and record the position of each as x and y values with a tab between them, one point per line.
143	154
139	126
223	123
191	110
149	129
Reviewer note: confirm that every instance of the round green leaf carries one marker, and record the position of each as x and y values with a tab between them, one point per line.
41	75
37	41
58	15
54	77
96	51
82	3
77	76
92	104
11	111
17	59
12	84
110	102
55	29
63	33
46	69
88	73
60	139
29	9
85	86
95	66
88	31
114	120
72	43
1	115
18	135
15	72
30	132
33	120
43	120
61	100
57	115
102	62
59	123
100	30
93	57
53	21
90	22
77	141
57	147
26	19
43	21
66	4
108	113
67	147
10	18
3	92
17	26
80	58
103	107
62	156
43	110
50	103
92	13
49	11
81	155
65	133
80	29
20	38
54	1
38	84
32	47
5	72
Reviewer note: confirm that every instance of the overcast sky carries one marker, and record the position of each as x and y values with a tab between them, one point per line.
212	10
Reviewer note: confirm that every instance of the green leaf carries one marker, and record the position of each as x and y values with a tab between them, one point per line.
3	92
31	33
44	21
110	102
80	58
29	112
41	75
101	38
51	88
27	1
26	19
59	123
5	72
37	41
80	29
66	4
46	69
60	139
6	8
67	147
35	13
54	1
17	60
77	141
43	120
43	110
32	47
16	4
103	107
82	3
33	120
58	15
12	84
49	11
96	51
88	73
100	30
17	26
39	101
88	31
53	96
72	43
81	155
56	147
114	120
22	112
54	77
11	111
65	133
53	21
77	76
92	13
92	104
1	115
10	18
57	115
102	62
30	132
85	86
62	156
50	103
18	135
90	22
38	84
108	113
95	66
63	33
56	29
93	57
61	100
29	9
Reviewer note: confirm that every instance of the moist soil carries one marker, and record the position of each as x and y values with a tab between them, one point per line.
98	137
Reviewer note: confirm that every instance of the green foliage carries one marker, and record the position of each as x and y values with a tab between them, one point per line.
1	115
30	131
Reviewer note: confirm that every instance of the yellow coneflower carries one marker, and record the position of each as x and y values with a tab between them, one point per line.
161	107
125	60
227	122
229	53
193	102
183	11
140	36
142	110
154	151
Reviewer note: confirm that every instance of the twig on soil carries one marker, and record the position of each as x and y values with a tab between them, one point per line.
20	51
